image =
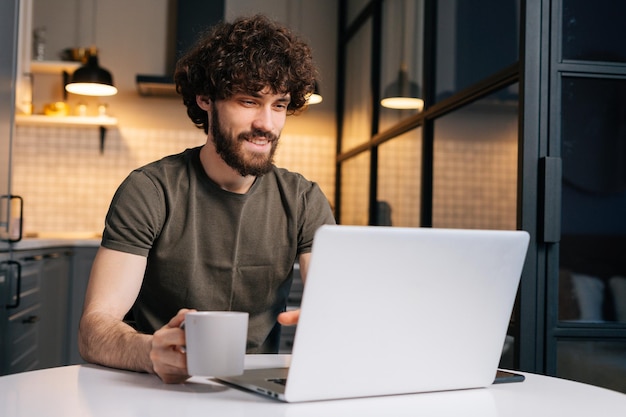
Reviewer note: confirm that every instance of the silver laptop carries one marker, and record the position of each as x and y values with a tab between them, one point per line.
389	310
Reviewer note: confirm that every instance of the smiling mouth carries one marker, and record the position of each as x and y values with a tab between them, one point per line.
259	141
259	138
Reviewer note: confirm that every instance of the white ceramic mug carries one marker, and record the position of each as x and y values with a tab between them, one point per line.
216	342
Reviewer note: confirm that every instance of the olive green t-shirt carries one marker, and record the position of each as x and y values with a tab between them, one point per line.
211	249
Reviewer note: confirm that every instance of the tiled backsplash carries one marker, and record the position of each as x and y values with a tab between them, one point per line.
67	183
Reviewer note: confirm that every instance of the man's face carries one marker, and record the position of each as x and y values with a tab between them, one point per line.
246	129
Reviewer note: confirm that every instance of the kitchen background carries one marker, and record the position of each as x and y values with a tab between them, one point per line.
67	180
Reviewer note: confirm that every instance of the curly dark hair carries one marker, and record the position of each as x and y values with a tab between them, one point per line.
247	55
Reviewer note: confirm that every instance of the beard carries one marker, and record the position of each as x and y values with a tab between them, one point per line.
232	152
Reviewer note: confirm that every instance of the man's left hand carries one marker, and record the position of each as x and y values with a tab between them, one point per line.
289	318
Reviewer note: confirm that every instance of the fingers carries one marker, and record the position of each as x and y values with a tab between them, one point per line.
289	318
169	360
179	318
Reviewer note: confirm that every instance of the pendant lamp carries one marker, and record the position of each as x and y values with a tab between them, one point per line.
91	80
402	93
315	97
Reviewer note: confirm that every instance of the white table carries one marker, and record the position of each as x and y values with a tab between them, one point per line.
90	391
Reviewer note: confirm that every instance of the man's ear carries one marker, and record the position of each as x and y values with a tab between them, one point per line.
204	102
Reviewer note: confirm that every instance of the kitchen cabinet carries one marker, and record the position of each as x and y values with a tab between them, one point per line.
22	318
36	317
42	330
82	259
54	277
5	280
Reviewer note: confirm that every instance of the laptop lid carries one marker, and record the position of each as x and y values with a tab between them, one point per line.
389	310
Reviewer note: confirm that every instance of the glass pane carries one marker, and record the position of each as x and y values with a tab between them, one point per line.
594	30
475	39
355	190
399	180
593	362
402	44
355	7
592	285
358	98
475	166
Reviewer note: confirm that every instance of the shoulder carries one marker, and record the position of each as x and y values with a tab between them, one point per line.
172	171
147	189
293	185
171	162
289	178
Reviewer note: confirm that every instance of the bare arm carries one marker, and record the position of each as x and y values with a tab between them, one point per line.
105	339
304	260
290	318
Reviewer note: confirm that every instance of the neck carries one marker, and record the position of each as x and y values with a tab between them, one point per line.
221	173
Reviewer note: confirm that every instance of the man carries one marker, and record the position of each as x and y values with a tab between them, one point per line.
217	227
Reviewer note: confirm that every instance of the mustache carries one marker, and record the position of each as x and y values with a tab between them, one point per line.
258	133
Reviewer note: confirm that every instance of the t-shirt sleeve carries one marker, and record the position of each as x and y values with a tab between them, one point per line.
135	216
315	211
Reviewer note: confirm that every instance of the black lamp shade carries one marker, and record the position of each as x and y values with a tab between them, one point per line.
91	80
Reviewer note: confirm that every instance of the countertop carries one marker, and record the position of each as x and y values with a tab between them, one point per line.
58	240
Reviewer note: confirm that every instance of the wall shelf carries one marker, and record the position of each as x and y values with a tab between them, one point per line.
102	122
42	120
53	67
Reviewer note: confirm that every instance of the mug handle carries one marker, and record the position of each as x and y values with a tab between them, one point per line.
183	349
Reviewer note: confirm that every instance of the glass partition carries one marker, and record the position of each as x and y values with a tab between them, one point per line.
357	119
475	39
593	242
354	8
355	190
399	180
402	56
593	33
475	166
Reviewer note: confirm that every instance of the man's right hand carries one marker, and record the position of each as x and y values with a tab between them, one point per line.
169	360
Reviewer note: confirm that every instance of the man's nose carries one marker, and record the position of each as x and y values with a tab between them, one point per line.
264	120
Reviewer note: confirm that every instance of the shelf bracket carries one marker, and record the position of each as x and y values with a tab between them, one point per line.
103	133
